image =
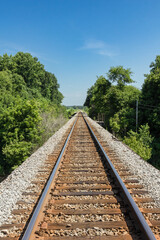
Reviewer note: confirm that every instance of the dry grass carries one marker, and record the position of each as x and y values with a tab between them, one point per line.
49	125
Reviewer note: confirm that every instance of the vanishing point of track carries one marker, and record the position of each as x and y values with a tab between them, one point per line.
86	198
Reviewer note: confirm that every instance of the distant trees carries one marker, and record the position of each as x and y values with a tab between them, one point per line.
27	91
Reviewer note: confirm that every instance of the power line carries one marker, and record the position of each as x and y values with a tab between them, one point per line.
146	107
149	106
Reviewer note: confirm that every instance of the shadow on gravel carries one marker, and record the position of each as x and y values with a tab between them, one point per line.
2	178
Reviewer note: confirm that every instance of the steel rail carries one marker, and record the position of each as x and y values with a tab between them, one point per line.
31	224
148	234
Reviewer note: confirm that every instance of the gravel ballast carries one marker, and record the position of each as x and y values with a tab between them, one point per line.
16	183
147	175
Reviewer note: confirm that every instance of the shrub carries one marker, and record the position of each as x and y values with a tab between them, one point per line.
140	142
19	131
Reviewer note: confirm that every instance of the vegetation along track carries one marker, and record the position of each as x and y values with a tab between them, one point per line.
83	198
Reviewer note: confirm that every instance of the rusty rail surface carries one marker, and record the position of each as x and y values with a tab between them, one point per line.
42	200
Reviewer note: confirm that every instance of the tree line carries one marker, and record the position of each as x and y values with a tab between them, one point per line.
116	100
30	102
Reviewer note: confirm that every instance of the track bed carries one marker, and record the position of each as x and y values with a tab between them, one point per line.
84	201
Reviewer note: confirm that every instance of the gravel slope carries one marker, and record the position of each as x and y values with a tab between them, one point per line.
148	175
14	185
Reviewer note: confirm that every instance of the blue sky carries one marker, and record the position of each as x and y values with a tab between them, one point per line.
78	40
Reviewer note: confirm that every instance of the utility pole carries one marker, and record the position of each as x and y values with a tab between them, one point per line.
136	115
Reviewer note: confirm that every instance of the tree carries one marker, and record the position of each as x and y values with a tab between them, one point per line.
123	121
49	88
89	97
150	103
151	97
19	131
6	90
29	68
26	91
103	97
121	102
120	75
99	91
5	62
115	123
95	96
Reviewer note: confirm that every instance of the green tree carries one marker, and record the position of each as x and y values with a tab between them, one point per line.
150	111
140	142
89	97
112	100
6	90
115	123
26	92
120	75
151	97
99	91
96	95
122	103
18	128
29	68
5	62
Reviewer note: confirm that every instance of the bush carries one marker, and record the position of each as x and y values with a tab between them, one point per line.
140	142
16	152
19	131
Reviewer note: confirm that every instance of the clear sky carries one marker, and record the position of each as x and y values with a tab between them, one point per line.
78	40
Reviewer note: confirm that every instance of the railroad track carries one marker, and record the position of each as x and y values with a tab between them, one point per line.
87	196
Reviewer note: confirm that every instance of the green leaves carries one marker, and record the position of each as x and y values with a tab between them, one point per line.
115	123
26	91
19	131
140	142
120	75
28	78
151	97
118	102
16	152
150	102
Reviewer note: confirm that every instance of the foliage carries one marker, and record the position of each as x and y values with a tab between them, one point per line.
101	87
117	101
140	142
29	75
71	111
28	95
151	97
150	107
96	96
115	123
50	124
18	132
120	75
155	160
122	110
